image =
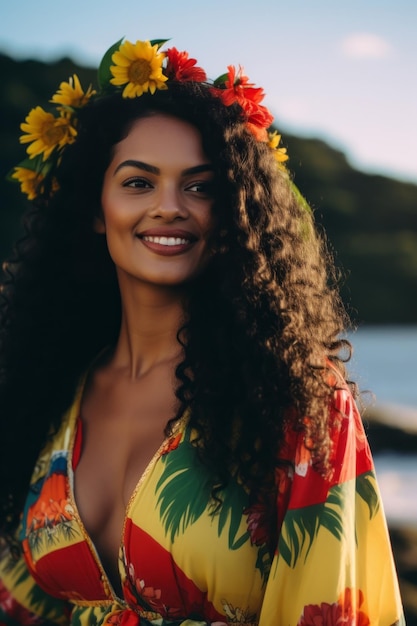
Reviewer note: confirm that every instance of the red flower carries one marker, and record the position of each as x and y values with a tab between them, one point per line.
351	603
259	523
181	68
129	592
125	617
322	615
341	613
238	89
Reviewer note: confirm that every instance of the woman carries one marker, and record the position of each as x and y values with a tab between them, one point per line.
171	368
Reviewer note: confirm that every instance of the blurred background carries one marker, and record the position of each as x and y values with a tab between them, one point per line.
340	79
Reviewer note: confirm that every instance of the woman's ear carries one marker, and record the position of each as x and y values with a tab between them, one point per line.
99	226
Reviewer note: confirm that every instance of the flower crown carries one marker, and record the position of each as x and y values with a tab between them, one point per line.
132	70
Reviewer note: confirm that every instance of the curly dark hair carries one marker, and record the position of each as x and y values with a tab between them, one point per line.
262	321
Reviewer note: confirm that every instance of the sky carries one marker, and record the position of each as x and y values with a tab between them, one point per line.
345	72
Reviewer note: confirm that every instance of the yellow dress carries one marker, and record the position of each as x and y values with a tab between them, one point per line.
320	556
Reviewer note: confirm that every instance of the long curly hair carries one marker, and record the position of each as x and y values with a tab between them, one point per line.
261	322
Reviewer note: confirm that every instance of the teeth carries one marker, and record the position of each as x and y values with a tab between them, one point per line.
166	241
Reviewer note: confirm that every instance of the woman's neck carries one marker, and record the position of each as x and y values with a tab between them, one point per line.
151	318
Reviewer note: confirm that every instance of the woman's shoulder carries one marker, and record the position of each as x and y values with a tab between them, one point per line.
343	426
60	440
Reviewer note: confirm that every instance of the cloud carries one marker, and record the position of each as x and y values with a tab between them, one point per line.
366	46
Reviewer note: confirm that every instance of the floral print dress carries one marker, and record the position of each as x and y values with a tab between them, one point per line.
324	558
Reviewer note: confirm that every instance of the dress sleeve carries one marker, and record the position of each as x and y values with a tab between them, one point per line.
333	563
22	601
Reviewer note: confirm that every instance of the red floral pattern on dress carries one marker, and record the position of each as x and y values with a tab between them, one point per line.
158	584
261	521
171	444
125	617
258	523
49	514
181	68
346	611
50	511
137	592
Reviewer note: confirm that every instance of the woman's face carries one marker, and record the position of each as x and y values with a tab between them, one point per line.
157	202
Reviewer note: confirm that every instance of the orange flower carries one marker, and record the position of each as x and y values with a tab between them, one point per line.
59	511
181	68
238	89
50	513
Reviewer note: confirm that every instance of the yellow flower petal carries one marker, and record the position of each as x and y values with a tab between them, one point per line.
131	91
30	181
280	154
71	93
45	132
129	49
121	59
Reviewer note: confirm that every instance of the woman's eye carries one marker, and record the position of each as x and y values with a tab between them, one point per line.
137	183
204	187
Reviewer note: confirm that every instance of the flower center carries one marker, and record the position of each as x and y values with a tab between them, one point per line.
139	71
52	134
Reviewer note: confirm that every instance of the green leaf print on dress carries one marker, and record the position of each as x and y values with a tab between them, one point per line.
184	494
301	526
366	489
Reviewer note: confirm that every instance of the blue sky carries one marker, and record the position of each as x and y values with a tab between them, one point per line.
342	71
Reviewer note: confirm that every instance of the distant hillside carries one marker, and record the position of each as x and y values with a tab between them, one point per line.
371	221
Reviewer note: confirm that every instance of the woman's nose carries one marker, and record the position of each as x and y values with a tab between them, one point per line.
170	205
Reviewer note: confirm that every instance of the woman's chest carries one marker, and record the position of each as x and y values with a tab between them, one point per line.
122	426
177	558
115	454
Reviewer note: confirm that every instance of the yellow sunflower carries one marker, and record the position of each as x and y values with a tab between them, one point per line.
71	93
30	181
46	132
139	67
280	154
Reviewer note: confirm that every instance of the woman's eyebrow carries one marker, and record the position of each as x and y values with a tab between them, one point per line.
206	167
141	165
152	169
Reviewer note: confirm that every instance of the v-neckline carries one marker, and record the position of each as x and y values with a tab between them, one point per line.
73	427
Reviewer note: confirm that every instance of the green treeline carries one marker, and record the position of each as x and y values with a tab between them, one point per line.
370	220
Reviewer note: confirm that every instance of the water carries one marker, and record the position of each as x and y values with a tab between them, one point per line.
397	478
385	362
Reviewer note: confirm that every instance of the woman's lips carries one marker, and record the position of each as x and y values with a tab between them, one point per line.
168	243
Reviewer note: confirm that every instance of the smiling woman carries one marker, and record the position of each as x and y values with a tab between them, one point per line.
179	442
156	205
